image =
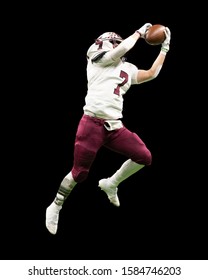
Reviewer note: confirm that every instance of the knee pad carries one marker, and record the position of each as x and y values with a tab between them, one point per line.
147	157
143	156
80	175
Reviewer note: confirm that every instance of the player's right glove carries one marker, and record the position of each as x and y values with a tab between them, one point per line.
142	30
166	44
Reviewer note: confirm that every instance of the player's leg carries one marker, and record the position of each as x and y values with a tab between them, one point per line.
109	185
129	144
52	212
87	142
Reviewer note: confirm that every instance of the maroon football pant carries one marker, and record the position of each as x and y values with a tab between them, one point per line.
92	135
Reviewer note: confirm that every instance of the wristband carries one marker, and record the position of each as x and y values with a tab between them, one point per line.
163	51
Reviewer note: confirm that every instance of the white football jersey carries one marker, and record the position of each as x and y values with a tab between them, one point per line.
109	78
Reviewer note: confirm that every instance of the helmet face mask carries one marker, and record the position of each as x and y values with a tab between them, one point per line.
114	42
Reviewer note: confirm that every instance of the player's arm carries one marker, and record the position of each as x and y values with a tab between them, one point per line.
152	73
126	44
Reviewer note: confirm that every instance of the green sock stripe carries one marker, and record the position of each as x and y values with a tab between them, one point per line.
63	191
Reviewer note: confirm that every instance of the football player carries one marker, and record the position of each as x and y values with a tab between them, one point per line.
109	78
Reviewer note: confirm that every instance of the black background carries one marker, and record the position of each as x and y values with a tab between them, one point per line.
162	207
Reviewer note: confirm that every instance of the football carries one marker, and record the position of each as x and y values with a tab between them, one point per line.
155	34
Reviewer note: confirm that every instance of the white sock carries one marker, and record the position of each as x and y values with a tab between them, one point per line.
65	189
70	178
127	169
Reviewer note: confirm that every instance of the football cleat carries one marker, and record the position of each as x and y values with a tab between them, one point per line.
110	190
52	217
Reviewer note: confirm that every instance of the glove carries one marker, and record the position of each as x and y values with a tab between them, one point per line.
142	30
166	44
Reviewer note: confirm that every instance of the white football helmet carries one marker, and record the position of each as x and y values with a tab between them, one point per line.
112	37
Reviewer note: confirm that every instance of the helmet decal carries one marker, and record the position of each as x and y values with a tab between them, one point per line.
110	36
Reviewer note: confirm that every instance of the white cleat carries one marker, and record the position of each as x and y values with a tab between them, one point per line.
111	191
52	217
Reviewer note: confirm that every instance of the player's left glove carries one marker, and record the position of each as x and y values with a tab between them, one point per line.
142	30
166	44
